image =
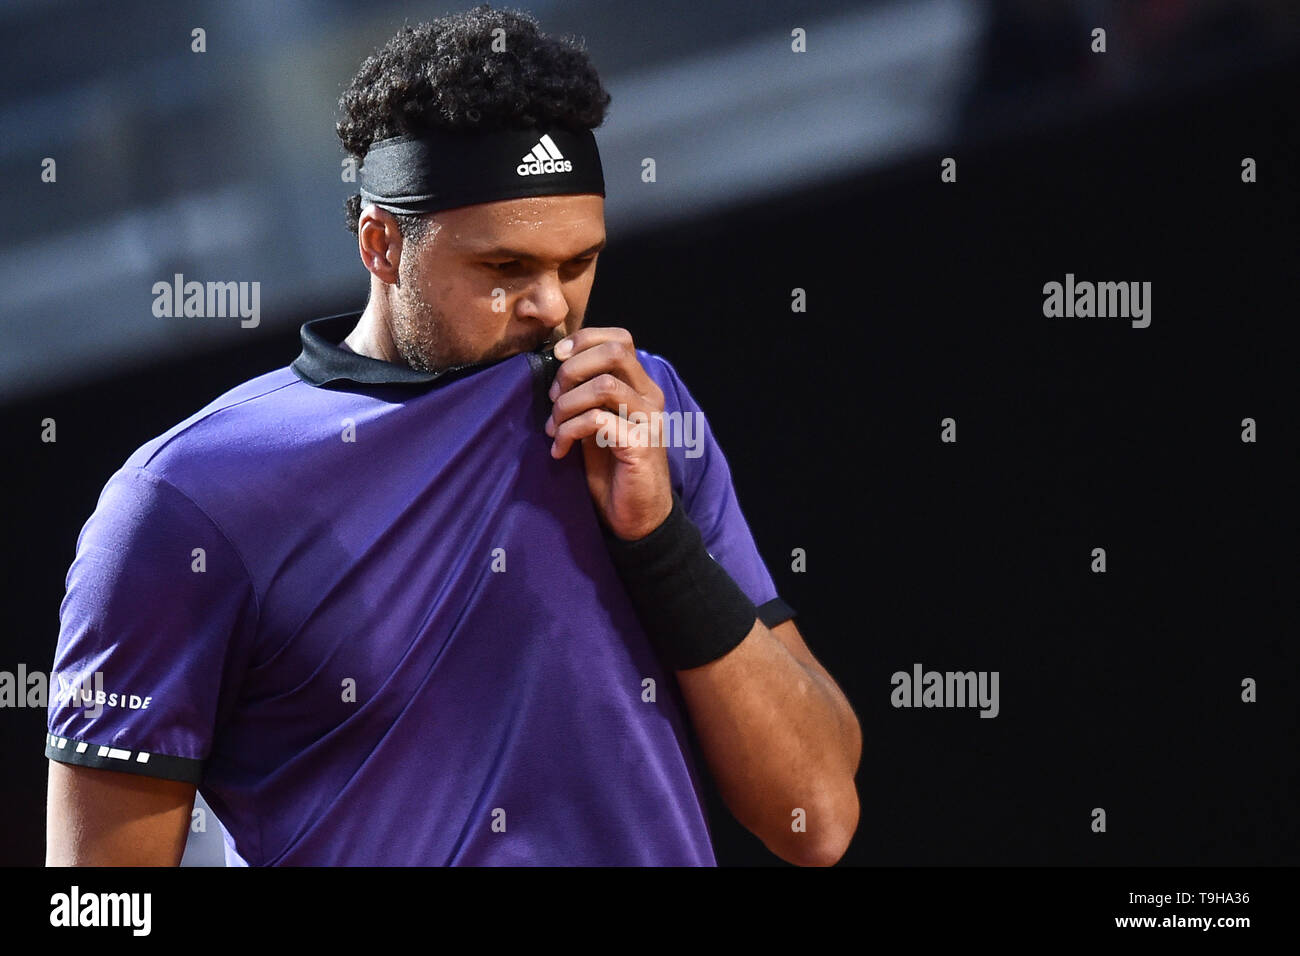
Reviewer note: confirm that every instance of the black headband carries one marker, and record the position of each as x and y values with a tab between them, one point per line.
443	169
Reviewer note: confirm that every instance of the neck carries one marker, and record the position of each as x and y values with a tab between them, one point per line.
372	336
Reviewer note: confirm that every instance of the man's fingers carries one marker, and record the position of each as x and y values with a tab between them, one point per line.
616	355
585	338
618	432
579	427
603	391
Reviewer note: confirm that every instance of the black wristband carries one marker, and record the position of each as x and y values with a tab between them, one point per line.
691	608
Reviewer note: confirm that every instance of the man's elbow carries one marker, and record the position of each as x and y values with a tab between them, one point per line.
826	836
826	851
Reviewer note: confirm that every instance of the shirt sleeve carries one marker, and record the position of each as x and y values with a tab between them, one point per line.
702	479
154	630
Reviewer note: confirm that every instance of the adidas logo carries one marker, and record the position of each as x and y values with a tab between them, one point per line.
545	157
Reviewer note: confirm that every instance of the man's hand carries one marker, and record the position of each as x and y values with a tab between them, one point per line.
627	465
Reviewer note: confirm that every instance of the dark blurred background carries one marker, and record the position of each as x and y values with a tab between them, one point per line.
780	170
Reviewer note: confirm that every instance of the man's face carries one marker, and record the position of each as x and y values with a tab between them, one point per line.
495	279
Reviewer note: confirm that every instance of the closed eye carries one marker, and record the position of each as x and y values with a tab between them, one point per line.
515	263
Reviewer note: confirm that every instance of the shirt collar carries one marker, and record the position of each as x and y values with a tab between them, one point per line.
322	362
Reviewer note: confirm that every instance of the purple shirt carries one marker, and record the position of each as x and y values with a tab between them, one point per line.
364	610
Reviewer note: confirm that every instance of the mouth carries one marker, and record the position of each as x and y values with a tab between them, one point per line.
549	344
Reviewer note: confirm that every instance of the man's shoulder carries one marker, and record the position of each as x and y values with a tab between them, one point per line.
654	363
222	436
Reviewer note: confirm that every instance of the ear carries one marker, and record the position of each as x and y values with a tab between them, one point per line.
379	243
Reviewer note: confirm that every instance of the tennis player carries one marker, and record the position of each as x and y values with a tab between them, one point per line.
467	582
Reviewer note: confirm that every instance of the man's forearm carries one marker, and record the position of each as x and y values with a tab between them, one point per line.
780	737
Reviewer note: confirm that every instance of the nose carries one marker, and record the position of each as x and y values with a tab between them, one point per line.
544	302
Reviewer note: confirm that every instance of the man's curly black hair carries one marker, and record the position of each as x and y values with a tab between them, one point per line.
445	74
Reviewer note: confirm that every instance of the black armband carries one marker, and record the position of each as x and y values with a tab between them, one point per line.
691	608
